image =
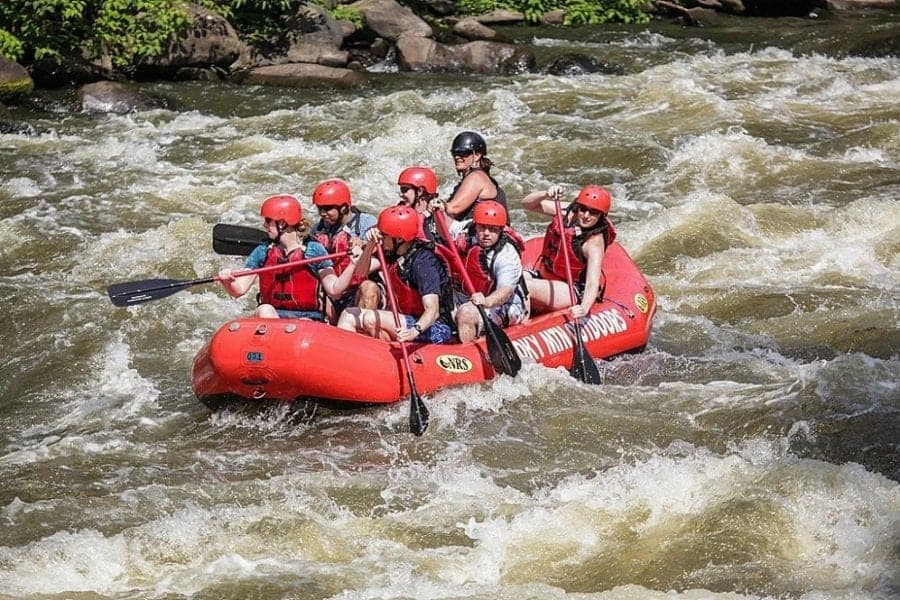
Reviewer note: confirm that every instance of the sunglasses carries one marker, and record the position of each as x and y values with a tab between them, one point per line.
406	188
462	153
588	211
325	209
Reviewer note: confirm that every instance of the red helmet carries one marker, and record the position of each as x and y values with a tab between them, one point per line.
400	222
489	212
331	192
420	177
282	207
595	197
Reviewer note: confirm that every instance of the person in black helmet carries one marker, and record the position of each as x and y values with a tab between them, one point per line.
474	168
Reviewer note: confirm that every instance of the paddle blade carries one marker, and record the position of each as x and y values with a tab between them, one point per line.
500	349
236	240
138	292
583	366
418	412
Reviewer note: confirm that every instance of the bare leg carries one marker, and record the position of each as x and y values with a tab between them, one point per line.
467	320
266	311
351	319
548	295
379	324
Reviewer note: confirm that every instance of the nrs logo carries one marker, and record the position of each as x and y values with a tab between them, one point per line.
641	302
454	364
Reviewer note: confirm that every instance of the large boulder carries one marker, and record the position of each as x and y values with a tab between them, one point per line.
311	24
302	75
492	57
471	29
210	41
390	20
425	55
14	80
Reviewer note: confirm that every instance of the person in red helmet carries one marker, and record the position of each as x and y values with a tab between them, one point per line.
469	152
492	259
290	293
341	227
418	189
588	232
419	279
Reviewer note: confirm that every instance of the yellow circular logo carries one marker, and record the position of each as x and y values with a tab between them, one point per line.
454	364
641	302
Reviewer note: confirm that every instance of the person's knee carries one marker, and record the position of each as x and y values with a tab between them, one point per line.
266	311
368	295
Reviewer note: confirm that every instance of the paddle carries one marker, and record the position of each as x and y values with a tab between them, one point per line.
236	240
583	366
418	412
501	350
138	292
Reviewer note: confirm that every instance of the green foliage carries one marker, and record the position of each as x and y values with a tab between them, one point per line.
265	21
44	27
130	30
10	46
342	12
127	30
477	7
578	12
586	12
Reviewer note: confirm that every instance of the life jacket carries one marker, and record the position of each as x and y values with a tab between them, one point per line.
337	239
409	301
288	289
552	263
475	259
500	197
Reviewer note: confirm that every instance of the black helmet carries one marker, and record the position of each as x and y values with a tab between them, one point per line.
469	141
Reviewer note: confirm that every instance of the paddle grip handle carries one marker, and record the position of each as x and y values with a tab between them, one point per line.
565	250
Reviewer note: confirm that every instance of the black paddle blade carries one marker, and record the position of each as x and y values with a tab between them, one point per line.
418	412
236	240
138	292
583	366
501	350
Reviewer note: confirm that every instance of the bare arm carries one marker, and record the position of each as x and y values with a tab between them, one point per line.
593	250
498	296
542	201
236	287
474	186
431	303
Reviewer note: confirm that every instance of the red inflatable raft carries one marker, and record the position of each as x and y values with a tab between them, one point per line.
293	359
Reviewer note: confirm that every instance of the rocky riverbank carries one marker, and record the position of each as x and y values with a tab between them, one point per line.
318	50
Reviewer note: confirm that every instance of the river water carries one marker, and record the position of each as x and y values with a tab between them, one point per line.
751	451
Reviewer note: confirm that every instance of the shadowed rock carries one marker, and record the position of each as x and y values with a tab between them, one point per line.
113	97
580	64
302	75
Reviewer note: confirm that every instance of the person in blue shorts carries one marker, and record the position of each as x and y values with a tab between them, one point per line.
287	293
420	280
